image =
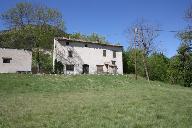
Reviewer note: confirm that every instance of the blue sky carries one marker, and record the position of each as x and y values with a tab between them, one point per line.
111	18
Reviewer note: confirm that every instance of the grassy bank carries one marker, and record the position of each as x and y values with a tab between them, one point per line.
91	101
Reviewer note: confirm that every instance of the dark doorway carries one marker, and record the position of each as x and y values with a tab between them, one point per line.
114	69
85	69
99	69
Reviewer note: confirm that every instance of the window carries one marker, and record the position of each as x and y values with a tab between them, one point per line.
104	53
67	43
114	54
86	45
70	67
113	62
7	60
70	53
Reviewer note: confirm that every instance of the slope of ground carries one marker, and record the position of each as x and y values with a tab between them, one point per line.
91	101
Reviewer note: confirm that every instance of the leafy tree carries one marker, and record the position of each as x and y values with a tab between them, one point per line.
128	65
45	61
174	71
158	66
97	38
183	67
186	35
180	68
18	16
129	62
25	13
188	14
184	54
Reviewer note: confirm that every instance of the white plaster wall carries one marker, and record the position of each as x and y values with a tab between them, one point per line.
21	60
91	55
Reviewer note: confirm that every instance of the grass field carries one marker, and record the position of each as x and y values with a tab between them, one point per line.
44	101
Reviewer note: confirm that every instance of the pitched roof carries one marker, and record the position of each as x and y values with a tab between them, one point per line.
83	41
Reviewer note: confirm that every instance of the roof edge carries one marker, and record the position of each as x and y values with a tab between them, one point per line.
16	49
83	41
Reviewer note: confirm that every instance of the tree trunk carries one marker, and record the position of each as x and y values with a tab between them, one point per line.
145	66
144	54
38	61
135	45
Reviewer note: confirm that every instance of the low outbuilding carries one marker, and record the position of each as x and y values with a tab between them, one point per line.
15	60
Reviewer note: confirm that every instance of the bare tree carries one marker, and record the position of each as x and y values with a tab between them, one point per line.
186	35
144	40
188	13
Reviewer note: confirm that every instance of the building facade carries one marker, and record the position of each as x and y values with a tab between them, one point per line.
15	60
81	57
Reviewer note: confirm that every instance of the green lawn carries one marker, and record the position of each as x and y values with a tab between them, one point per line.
37	101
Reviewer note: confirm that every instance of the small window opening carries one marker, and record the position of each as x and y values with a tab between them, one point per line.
7	60
104	53
67	43
113	62
70	53
114	54
70	67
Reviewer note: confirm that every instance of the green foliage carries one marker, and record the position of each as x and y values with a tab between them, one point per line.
180	68
32	26
97	38
185	36
158	66
128	67
184	54
78	36
44	60
17	39
177	70
30	37
174	73
19	15
46	63
129	62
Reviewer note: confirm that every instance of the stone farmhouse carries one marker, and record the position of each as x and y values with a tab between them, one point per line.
83	57
15	60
